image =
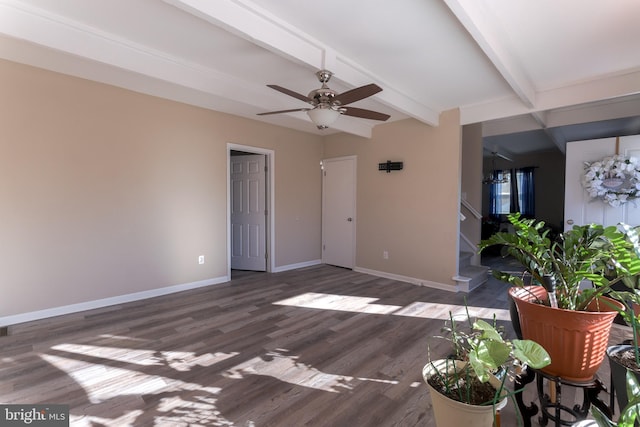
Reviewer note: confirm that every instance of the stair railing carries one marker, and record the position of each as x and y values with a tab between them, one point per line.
471	209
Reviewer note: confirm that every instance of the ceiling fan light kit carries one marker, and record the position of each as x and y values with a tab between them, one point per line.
328	104
323	116
491	179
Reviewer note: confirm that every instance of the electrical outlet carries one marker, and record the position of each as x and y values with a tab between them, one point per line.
201	259
385	254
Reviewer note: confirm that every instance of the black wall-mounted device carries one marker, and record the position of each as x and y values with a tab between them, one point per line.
390	166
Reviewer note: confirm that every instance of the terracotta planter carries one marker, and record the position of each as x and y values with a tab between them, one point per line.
575	340
451	413
515	320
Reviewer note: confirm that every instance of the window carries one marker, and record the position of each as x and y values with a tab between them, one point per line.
513	191
503	193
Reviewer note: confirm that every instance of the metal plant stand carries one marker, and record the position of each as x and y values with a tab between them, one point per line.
551	407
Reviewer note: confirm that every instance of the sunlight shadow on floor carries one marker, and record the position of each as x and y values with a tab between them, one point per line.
357	304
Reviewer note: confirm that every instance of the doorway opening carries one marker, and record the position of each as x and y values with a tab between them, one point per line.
250	213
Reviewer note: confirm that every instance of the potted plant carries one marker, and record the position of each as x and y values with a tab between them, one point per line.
628	414
624	358
603	256
468	387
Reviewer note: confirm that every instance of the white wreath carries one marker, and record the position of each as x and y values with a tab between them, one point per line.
614	179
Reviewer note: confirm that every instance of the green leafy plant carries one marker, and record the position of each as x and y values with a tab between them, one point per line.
485	355
629	413
619	358
631	299
603	255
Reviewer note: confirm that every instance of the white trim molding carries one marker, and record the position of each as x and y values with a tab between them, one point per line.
471	209
412	280
105	302
297	265
271	201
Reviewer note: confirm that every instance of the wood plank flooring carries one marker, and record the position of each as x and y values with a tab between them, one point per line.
319	346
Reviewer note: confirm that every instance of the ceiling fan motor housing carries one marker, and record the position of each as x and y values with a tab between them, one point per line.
321	96
324	95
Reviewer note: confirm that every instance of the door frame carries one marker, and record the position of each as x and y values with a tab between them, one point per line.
270	201
353	158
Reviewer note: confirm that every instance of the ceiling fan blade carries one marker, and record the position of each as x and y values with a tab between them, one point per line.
502	156
495	154
283	111
292	93
356	94
364	114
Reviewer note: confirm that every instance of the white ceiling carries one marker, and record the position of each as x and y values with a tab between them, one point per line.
535	69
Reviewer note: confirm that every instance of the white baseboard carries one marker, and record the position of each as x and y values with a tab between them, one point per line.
295	266
105	302
412	280
121	299
463	283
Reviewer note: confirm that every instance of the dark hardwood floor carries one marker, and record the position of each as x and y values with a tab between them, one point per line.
319	346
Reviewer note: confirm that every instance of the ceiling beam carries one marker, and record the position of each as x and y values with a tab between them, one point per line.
608	87
44	30
357	75
257	25
473	15
618	93
260	27
37	32
541	119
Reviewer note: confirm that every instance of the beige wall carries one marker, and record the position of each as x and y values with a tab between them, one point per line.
412	213
472	182
106	192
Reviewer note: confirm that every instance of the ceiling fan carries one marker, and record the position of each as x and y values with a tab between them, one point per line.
495	153
328	104
494	178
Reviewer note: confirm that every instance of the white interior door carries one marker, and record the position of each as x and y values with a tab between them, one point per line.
339	211
579	208
248	212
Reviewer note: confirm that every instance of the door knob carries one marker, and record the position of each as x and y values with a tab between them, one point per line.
570	221
349	219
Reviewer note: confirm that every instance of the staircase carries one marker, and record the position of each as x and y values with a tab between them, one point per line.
470	276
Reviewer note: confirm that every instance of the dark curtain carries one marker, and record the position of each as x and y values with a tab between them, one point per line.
494	191
528	192
521	192
514	204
